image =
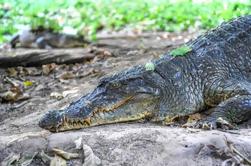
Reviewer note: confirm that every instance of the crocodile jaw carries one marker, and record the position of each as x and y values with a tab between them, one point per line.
139	108
127	96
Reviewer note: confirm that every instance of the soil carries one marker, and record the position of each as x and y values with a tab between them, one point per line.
35	90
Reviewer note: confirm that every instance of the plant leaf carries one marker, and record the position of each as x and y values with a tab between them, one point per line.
149	66
27	83
180	51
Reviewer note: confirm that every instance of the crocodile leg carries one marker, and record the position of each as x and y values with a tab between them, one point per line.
232	111
234	108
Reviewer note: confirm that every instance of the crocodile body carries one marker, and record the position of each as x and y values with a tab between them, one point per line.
46	38
214	76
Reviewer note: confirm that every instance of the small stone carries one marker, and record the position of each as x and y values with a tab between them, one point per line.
56	95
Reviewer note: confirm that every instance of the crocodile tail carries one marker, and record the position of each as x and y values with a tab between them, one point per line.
14	41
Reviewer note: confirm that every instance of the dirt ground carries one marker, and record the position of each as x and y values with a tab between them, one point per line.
29	92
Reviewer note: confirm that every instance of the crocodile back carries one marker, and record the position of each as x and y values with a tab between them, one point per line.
220	54
225	50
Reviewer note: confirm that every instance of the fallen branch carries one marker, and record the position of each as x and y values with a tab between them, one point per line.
38	57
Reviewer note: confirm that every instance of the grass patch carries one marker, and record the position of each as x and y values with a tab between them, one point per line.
86	17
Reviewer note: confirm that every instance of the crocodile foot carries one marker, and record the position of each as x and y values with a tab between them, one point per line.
215	124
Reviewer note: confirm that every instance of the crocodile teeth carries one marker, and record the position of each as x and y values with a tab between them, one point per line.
81	122
75	123
88	121
70	122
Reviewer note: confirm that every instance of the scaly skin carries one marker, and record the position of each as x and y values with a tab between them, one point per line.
215	75
46	38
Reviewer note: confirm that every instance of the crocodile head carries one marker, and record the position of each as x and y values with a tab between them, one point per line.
124	97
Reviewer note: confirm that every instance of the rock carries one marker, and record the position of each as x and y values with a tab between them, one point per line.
144	144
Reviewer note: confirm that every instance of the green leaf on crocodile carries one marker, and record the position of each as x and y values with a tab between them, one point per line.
149	66
180	51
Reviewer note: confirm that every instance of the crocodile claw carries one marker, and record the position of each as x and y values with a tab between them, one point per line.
224	124
214	124
206	125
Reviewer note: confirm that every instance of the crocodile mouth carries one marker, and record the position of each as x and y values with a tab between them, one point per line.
126	110
94	120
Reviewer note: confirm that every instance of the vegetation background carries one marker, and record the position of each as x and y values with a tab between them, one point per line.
89	16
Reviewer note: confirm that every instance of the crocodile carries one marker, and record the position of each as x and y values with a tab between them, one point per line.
42	38
213	77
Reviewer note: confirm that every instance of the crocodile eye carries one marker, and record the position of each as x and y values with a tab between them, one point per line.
115	85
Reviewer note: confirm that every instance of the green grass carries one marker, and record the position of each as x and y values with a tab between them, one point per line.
88	16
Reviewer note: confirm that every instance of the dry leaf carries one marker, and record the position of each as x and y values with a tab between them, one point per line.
27	83
67	76
12	72
9	96
47	69
65	155
194	117
58	161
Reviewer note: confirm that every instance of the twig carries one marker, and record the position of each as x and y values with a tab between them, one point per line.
65	155
20	105
11	81
234	150
229	131
241	155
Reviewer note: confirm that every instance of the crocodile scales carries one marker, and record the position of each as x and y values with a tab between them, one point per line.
215	77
